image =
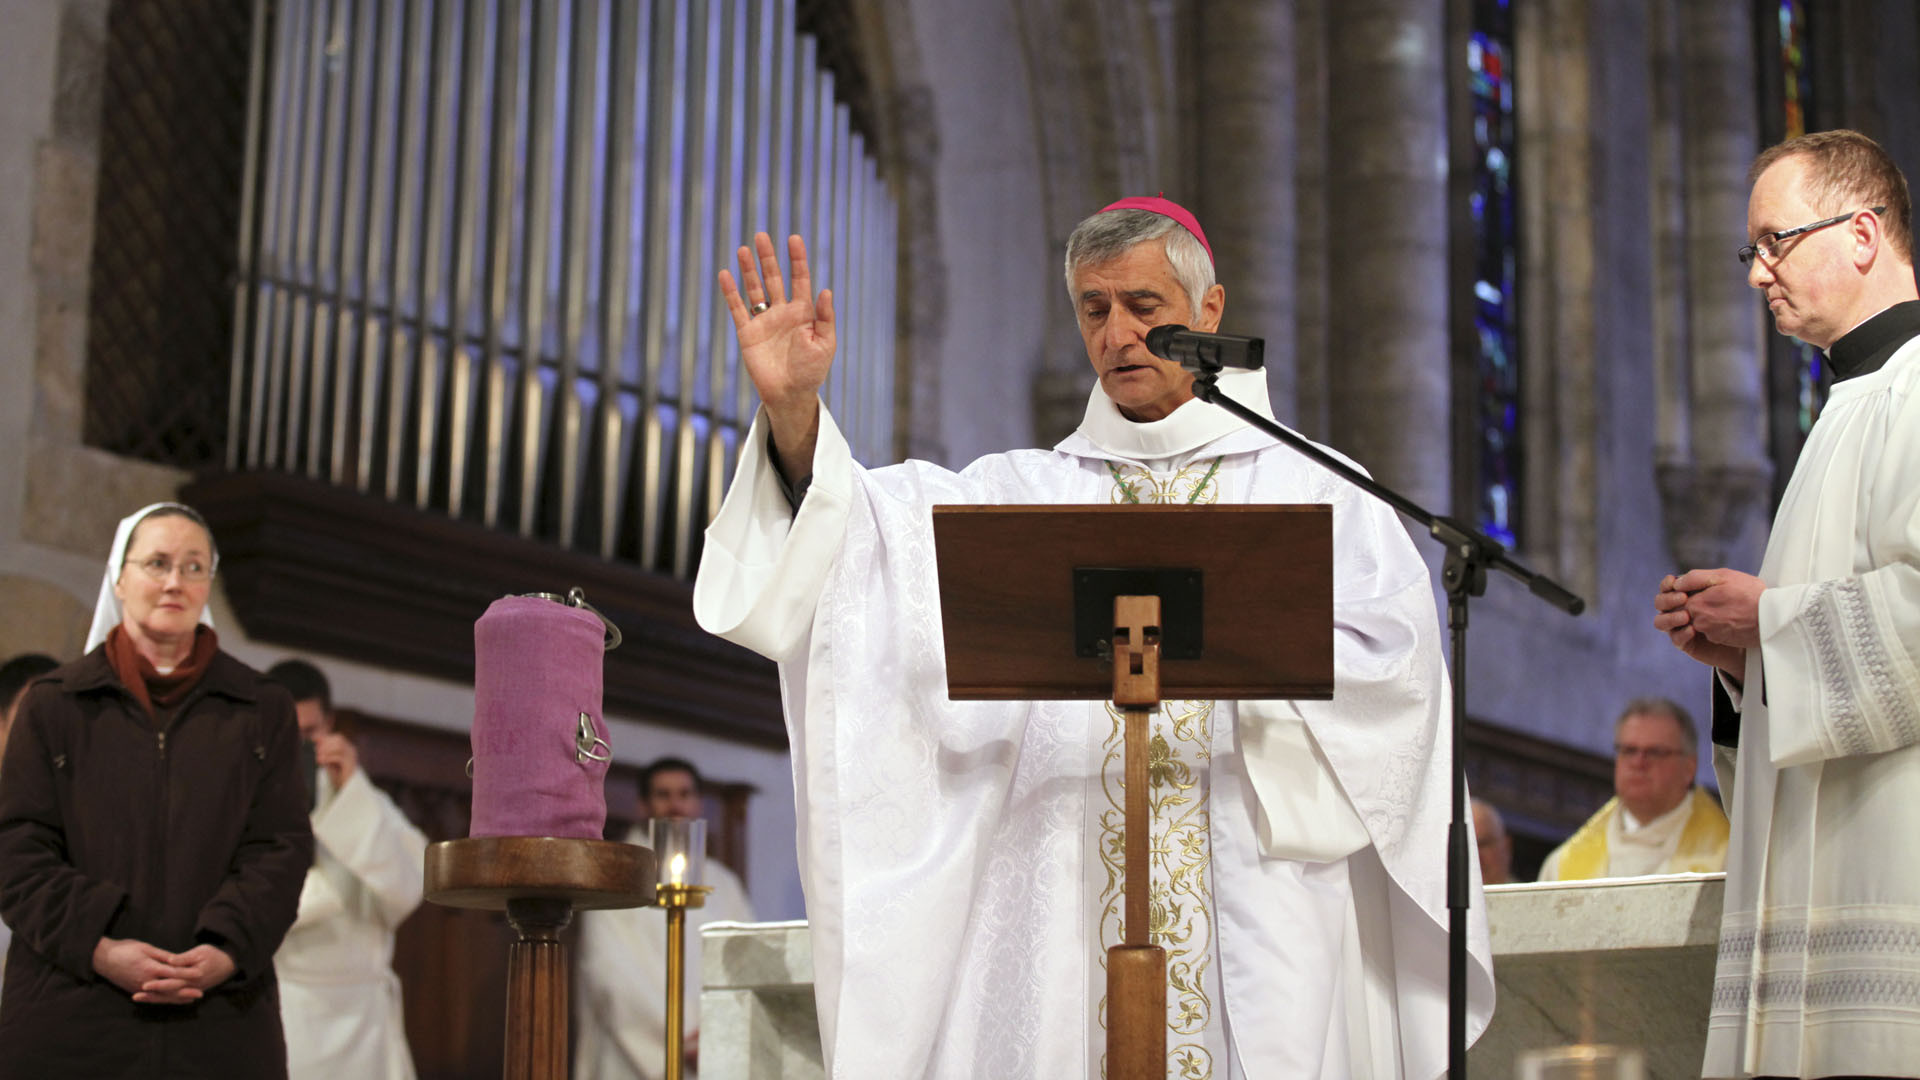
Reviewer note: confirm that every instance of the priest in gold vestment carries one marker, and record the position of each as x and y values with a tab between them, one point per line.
1658	821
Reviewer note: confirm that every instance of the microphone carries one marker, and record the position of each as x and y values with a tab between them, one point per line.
1204	353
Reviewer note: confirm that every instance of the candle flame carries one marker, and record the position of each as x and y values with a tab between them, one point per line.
679	868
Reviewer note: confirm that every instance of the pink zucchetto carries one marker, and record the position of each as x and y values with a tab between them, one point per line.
1167	208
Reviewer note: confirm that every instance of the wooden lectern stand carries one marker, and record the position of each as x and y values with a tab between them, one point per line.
539	881
1089	602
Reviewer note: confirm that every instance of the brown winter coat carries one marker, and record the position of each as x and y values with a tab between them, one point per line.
193	830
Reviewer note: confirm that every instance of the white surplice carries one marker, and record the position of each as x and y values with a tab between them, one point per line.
339	997
1819	969
622	985
960	858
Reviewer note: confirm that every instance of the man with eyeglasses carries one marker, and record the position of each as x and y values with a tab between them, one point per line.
1817	659
1657	822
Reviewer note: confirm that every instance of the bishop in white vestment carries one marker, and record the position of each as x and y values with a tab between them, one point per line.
962	859
1819	657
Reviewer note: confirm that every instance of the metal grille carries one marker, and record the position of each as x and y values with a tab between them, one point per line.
172	144
489	230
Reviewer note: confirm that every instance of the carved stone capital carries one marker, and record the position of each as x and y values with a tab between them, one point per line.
1706	508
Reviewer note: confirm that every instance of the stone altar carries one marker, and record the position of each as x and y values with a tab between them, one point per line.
1625	960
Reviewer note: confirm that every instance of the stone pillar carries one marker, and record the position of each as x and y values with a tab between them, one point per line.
1558	285
1722	138
1311	227
1714	485
1389	381
1244	72
1666	142
920	292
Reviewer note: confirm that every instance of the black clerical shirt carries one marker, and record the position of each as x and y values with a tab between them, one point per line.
1866	348
1863	350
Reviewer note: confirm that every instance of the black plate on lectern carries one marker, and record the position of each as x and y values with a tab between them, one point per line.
1180	592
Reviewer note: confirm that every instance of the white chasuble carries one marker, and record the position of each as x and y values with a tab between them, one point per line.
1819	968
961	859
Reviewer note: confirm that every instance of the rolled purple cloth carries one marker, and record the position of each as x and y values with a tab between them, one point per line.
536	669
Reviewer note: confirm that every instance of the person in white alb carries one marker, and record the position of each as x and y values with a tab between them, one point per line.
1658	821
1817	658
622	956
339	996
961	859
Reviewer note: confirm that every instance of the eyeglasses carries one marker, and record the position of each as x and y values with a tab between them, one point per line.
1768	244
159	567
1653	754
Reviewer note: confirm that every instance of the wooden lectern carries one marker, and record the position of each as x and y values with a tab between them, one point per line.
539	881
1128	604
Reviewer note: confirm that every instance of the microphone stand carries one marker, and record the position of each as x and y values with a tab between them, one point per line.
1464	574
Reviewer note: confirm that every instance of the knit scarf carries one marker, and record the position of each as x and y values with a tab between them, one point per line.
153	690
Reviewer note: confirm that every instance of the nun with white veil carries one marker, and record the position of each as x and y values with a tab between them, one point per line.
153	835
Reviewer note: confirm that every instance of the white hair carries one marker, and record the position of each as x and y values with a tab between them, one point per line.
1112	233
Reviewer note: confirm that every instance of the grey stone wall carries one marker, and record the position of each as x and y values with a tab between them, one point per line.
60	499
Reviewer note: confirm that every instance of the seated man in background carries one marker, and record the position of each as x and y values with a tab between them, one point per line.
1496	847
339	997
622	956
15	674
1658	821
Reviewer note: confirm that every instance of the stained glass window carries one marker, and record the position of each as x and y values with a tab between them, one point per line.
1493	206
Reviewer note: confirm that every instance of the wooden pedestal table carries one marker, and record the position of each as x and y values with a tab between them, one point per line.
539	882
1130	604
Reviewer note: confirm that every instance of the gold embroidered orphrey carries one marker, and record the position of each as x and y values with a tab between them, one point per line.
1180	851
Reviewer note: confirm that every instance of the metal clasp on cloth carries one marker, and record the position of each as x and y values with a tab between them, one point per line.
586	742
577	597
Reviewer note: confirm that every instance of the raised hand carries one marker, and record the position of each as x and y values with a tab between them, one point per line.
787	347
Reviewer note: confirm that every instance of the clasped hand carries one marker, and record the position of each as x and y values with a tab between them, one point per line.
155	976
1712	616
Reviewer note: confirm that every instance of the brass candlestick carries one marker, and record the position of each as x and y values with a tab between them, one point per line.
680	846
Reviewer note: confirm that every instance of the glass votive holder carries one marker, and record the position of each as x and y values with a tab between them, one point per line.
680	850
1582	1062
